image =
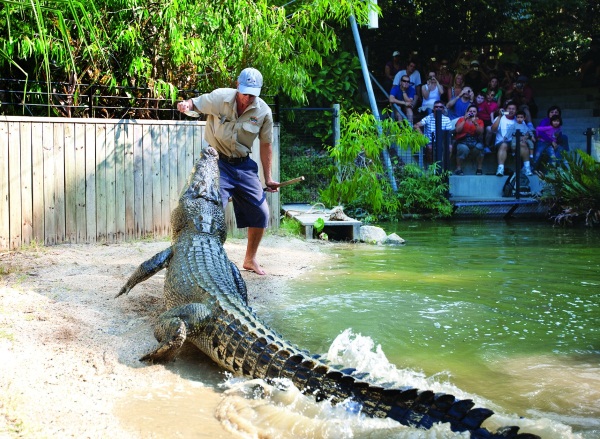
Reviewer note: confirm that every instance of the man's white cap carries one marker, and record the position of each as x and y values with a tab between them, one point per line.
250	81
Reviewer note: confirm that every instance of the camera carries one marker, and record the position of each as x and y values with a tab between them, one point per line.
471	114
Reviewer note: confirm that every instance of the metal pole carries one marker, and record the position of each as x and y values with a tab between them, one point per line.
588	134
385	154
336	124
518	165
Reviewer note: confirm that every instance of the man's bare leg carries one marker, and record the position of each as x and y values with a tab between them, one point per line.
255	235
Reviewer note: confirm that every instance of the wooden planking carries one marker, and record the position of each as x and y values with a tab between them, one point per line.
138	182
70	184
90	182
14	184
79	181
156	182
59	181
120	140
4	190
147	195
48	186
129	181
100	182
26	192
37	182
111	215
164	181
173	178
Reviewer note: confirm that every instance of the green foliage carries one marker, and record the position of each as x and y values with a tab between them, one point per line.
172	45
298	158
290	227
319	224
423	191
573	190
357	175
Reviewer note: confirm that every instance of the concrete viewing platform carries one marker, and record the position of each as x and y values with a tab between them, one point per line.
338	230
481	195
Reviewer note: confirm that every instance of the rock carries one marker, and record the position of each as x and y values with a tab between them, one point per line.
394	239
372	234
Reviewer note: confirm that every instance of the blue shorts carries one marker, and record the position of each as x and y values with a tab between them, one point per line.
241	183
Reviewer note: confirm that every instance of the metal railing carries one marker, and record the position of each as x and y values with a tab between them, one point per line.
19	97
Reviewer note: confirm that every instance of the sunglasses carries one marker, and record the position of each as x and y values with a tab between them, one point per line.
404	80
437	107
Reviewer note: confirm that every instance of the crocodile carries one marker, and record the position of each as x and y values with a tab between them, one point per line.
206	300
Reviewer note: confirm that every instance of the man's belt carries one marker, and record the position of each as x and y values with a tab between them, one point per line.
233	160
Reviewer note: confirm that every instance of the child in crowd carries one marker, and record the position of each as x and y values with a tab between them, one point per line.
550	140
486	107
527	133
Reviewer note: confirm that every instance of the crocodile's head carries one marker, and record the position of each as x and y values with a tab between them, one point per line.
200	201
203	182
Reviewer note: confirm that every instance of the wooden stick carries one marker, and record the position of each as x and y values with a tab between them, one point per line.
292	181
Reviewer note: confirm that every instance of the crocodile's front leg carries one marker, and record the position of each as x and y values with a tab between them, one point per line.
173	328
148	269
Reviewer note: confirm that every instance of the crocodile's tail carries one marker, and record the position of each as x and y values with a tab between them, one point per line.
253	350
409	406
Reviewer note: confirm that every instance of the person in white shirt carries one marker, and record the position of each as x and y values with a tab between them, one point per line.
502	128
410	71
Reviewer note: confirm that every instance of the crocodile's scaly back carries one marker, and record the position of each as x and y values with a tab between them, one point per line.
206	300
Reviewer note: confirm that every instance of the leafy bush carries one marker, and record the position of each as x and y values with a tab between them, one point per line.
423	191
573	190
357	178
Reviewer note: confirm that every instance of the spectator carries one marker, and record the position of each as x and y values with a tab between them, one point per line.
486	109
391	68
457	106
553	110
494	85
445	77
456	88
501	126
431	92
469	132
527	136
475	78
404	95
521	93
463	61
550	141
427	127
412	72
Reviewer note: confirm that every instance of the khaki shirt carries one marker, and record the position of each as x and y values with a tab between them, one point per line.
225	131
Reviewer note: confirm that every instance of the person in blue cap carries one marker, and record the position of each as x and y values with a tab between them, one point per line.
235	118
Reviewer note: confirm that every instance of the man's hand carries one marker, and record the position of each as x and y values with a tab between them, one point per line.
272	186
184	106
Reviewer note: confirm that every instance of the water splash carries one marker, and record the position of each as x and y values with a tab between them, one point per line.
253	408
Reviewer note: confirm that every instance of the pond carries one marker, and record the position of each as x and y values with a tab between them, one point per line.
506	312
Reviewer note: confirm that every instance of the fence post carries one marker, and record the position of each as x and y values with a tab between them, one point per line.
588	134
518	164
91	100
336	124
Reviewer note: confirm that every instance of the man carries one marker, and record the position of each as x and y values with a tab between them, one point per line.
502	127
412	72
427	127
404	95
469	130
457	106
235	118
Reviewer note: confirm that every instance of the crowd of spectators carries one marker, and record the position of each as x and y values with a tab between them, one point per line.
485	99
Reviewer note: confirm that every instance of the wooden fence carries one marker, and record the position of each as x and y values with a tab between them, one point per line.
98	180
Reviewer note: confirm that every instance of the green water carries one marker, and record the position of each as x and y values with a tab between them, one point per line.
508	311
